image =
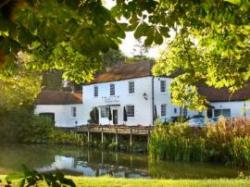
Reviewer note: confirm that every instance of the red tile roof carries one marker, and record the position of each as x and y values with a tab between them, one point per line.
48	97
217	95
124	71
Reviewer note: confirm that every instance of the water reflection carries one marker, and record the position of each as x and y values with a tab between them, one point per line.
71	165
92	162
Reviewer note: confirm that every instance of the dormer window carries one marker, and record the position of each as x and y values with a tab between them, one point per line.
95	91
112	89
163	86
131	87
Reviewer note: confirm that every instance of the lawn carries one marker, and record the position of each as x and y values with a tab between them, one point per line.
119	182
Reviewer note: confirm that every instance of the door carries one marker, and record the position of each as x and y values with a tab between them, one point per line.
115	117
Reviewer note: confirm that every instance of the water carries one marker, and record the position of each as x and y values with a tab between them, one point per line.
92	162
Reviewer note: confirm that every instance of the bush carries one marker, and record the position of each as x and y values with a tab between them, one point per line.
240	151
227	141
176	142
21	125
60	136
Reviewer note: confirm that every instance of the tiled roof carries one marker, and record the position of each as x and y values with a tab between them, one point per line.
48	97
217	95
124	71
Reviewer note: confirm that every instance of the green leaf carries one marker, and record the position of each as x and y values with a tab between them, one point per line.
141	30
235	2
149	40
158	38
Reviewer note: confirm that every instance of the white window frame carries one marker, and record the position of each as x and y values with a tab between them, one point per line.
163	86
112	89
130	113
131	87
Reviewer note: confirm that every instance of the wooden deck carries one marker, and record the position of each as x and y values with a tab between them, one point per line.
115	129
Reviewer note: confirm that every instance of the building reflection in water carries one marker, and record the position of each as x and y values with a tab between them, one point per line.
71	165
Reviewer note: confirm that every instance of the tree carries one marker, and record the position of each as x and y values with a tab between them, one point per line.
211	40
113	56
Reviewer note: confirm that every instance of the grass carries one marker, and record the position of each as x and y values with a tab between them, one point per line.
120	182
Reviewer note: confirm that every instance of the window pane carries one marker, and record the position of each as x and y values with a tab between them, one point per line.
73	111
104	112
95	91
130	110
209	113
217	112
163	86
131	87
112	89
163	109
226	112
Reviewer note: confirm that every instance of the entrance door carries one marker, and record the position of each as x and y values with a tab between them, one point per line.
115	117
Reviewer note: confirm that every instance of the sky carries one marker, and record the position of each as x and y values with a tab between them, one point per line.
129	45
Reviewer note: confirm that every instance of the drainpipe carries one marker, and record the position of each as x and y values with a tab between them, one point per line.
153	100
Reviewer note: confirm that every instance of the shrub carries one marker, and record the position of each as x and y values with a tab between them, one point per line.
240	151
60	136
227	141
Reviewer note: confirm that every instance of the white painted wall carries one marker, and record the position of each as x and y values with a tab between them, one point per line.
143	107
63	114
238	108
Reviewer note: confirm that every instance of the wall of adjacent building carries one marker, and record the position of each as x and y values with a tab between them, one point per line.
63	114
237	108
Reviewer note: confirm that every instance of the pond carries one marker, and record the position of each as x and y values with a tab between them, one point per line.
93	162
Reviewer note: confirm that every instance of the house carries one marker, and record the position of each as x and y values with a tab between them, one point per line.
62	107
129	94
129	87
227	104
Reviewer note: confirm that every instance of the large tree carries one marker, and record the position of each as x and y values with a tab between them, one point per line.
210	46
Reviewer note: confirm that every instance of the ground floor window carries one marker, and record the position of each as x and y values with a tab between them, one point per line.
130	110
50	116
222	112
104	112
163	110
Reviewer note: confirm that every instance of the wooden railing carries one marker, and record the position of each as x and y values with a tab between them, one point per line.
115	129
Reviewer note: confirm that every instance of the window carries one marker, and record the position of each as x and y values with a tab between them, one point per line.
112	89
96	91
131	87
163	110
175	110
104	112
163	86
222	112
73	111
130	110
209	113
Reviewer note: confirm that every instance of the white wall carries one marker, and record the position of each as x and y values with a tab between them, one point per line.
63	114
165	98
238	108
143	107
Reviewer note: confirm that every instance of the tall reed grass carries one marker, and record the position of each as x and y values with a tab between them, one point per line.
227	141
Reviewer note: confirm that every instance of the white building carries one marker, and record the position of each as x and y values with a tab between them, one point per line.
63	107
129	86
131	89
227	104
